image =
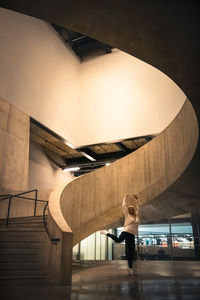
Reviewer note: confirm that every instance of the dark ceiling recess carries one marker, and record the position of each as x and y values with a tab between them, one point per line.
83	46
87	158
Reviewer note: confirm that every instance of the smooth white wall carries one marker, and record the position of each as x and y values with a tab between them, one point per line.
124	97
112	97
38	74
42	173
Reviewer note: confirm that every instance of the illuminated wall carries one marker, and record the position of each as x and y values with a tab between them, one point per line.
38	74
94	247
124	97
44	174
110	97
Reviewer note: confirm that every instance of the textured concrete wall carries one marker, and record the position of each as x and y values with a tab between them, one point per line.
14	148
93	201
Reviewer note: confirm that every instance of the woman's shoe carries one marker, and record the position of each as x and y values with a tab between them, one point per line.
130	271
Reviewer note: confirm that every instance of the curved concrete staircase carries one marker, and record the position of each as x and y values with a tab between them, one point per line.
93	201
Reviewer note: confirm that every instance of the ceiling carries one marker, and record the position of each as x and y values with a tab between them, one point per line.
86	158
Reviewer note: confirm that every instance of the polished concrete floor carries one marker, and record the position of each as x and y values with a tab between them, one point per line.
153	280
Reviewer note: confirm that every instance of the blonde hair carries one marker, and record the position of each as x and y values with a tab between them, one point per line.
133	205
131	211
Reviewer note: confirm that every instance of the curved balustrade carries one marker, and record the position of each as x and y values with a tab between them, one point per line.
93	201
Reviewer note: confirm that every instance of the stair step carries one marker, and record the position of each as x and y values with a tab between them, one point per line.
20	244
23	280
22	267
20	221
12	232
21	272
23	219
20	256
19	263
24	229
21	225
16	250
21	238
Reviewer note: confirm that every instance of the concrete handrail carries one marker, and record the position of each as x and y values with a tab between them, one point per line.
55	209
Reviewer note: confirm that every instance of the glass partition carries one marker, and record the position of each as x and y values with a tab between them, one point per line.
173	240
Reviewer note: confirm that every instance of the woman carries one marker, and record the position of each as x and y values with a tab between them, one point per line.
131	210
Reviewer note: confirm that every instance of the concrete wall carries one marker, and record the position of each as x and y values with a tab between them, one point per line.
14	148
14	151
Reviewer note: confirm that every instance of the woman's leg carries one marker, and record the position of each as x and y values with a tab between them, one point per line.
130	249
117	239
129	246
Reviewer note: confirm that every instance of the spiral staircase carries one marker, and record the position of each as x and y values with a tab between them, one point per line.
153	33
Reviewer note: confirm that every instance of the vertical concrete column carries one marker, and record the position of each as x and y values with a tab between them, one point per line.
196	234
58	255
14	148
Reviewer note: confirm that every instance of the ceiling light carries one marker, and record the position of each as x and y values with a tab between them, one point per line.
71	169
70	145
88	156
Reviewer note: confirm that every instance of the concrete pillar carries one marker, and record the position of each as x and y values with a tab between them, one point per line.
196	234
58	255
14	148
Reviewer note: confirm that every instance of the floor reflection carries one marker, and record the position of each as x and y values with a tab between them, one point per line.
154	280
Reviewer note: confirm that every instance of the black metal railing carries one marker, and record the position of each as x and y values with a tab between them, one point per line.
10	197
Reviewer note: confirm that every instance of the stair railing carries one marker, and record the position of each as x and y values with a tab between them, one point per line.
10	197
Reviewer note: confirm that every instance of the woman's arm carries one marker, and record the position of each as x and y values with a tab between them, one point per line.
124	206
138	209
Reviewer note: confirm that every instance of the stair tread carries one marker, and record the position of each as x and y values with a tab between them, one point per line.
20	268
25	218
21	253
24	242
2	249
23	277
15	260
7	229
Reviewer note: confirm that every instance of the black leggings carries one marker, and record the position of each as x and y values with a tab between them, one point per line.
129	245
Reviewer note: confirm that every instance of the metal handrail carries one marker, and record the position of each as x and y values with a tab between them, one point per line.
19	196
45	225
